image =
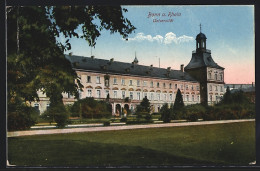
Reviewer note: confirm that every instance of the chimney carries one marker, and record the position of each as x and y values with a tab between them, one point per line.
182	68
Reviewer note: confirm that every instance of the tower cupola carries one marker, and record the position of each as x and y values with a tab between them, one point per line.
201	42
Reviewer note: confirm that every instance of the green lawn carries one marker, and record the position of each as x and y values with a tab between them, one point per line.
220	144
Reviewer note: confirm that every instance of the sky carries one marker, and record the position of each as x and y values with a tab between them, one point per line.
229	31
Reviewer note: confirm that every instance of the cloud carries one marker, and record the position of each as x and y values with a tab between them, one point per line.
167	39
141	37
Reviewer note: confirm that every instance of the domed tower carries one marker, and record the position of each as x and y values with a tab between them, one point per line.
210	75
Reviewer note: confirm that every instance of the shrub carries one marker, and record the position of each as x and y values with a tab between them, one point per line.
165	111
123	119
106	123
21	117
194	112
59	113
148	117
91	108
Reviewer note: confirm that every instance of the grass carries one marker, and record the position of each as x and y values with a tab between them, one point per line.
220	144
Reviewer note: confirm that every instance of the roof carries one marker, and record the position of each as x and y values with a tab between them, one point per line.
246	90
239	86
201	36
202	60
115	67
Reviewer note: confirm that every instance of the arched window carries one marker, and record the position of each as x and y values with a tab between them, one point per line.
216	76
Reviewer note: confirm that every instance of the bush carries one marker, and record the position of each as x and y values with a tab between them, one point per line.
194	112
91	108
21	117
123	119
59	113
148	117
106	123
166	115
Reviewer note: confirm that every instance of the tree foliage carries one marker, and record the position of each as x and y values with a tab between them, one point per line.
178	104
165	113
144	106
91	108
36	59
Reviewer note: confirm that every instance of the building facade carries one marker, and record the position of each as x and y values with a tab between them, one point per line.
126	84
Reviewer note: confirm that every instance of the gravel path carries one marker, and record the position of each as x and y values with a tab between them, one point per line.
115	128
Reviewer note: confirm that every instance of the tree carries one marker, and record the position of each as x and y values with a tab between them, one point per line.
178	104
36	59
144	106
227	98
165	113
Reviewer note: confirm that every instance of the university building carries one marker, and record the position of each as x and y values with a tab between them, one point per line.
126	84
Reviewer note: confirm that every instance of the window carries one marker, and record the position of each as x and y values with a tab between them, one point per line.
80	94
131	95
89	93
164	85
182	87
88	79
98	79
198	98
216	88
106	82
115	80
192	98
187	97
158	85
209	75
170	97
145	95
98	94
221	88
211	98
170	85
130	82
123	81
123	94
158	96
69	96
176	86
47	106
145	83
221	77
138	82
36	106
216	76
151	84
198	88
187	87
151	96
164	97
138	96
107	93
192	87
216	98
115	94
210	87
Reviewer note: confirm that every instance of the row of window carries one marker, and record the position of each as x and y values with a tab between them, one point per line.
216	88
217	98
138	83
220	77
152	96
